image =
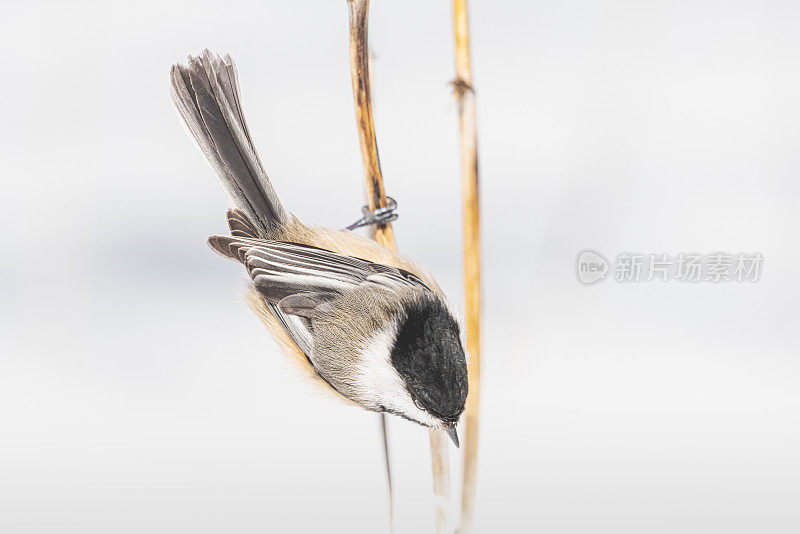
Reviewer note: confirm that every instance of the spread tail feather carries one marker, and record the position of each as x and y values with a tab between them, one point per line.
206	93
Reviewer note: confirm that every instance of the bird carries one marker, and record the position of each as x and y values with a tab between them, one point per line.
368	324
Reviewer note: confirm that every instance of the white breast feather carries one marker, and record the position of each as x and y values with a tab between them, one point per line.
379	384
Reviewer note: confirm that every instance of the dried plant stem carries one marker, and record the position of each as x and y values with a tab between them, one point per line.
383	234
359	71
440	463
387	461
472	259
376	194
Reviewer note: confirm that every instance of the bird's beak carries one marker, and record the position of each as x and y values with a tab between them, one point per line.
451	431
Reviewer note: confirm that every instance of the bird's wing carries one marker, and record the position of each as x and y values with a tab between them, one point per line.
279	270
297	281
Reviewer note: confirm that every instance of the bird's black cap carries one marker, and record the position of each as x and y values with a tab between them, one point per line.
428	355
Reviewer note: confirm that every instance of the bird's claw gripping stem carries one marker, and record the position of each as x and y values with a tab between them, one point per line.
379	216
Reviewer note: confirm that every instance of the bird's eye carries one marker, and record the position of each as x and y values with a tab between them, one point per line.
419	405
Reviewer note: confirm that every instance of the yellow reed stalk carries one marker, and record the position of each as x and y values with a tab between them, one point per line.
383	234
468	132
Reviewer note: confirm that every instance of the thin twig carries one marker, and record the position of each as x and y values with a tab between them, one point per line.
383	234
468	131
376	194
387	460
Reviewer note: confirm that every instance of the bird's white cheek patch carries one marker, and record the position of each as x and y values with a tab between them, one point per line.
378	383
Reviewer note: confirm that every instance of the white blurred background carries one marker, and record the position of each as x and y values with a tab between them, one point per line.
139	394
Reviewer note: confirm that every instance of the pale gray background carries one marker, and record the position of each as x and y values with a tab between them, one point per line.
138	394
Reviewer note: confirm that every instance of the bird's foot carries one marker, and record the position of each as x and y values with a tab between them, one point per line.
377	217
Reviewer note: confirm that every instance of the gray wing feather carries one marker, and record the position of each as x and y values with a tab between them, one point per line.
206	94
298	328
289	268
240	225
279	269
305	304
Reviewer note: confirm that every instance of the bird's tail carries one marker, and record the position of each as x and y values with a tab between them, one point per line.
206	93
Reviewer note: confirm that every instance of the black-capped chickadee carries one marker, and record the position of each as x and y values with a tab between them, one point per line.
371	324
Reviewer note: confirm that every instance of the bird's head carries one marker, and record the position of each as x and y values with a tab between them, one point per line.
425	380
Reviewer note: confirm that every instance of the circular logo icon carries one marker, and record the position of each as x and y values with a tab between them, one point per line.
591	267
